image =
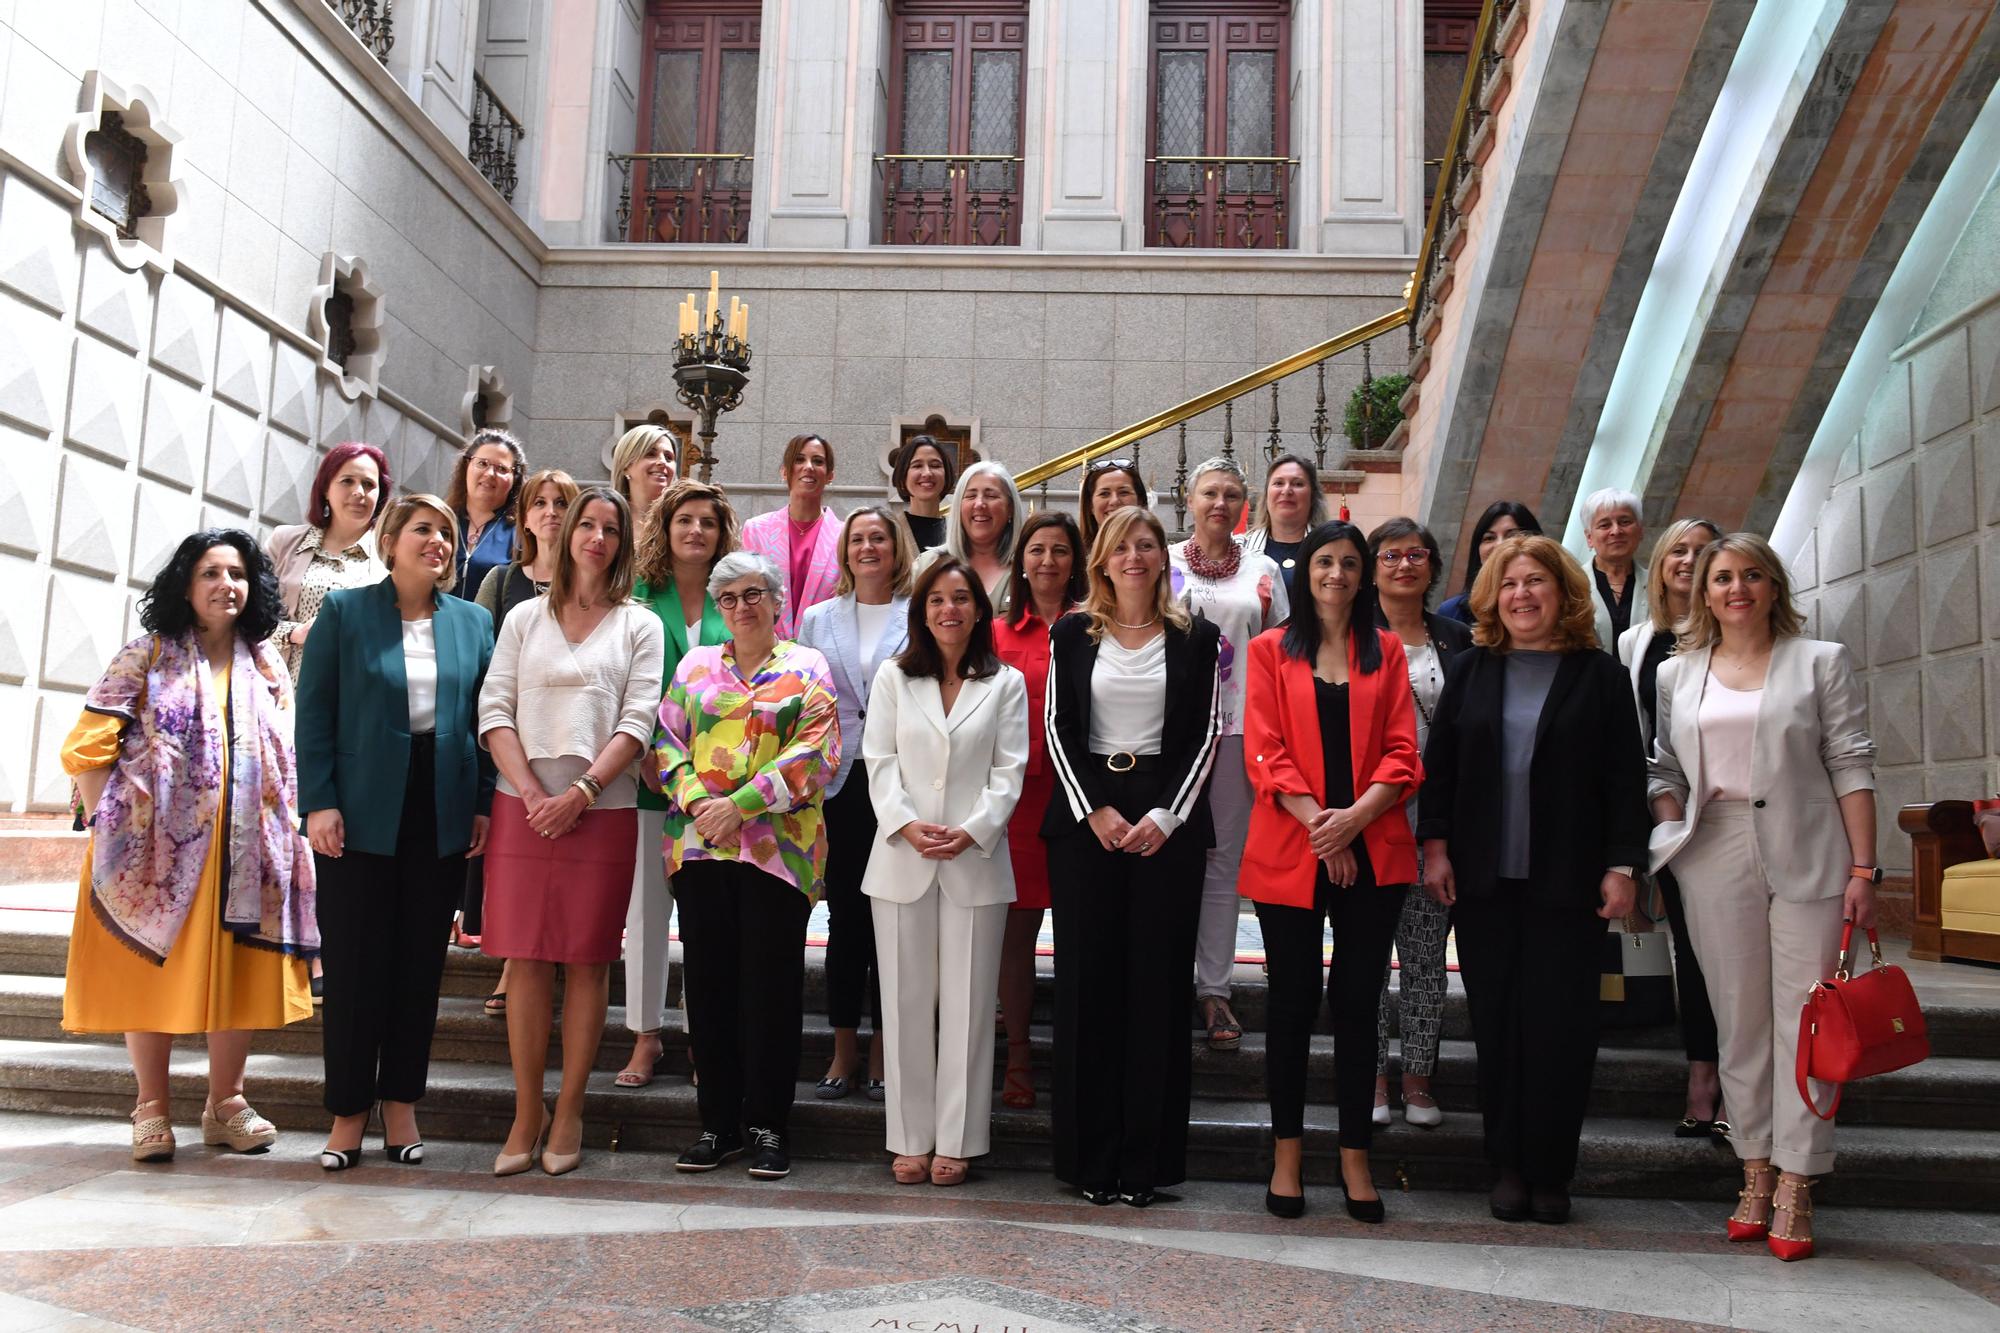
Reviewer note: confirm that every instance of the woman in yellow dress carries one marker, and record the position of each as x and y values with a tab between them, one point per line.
196	909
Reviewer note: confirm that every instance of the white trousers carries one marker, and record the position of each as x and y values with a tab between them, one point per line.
1760	955
646	920
939	965
1229	801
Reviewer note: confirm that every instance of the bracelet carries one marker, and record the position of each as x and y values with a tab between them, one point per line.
590	787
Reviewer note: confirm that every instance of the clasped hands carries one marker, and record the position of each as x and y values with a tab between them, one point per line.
1114	834
1331	834
935	842
553	816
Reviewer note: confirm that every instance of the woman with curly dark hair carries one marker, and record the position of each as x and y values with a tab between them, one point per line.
183	764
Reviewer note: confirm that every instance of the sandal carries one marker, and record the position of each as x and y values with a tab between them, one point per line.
1019	1090
638	1076
1743	1223
152	1135
1224	1032
948	1171
496	1004
911	1169
244	1131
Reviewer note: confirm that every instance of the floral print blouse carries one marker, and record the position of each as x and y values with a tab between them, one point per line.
769	744
307	571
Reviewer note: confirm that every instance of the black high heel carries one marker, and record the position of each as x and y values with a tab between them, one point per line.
407	1154
338	1159
1287	1206
1099	1197
1362	1210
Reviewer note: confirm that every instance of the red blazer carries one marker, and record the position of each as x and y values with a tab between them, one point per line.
1281	753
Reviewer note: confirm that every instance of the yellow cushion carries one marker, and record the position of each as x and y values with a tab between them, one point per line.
1970	897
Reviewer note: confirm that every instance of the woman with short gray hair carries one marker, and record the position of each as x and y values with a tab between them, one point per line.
748	738
1243	594
1614	527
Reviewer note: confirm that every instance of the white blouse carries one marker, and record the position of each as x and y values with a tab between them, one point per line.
1728	722
567	700
1128	705
420	668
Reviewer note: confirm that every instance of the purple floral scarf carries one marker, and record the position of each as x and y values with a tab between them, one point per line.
151	830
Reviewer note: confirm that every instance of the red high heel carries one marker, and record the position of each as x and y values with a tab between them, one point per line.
1740	1230
1785	1247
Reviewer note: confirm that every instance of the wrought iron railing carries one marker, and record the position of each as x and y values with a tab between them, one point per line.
950	198
1420	295
698	198
494	141
1230	203
372	21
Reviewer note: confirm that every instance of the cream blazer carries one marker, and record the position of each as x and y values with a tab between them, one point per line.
1811	748
964	771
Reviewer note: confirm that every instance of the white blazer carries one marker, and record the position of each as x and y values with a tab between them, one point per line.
964	771
1632	652
1811	748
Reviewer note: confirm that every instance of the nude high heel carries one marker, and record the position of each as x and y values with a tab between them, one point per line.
514	1163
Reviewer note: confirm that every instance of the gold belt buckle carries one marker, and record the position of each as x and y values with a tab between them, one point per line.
1131	761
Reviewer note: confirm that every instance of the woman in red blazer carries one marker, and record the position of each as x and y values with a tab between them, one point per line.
1330	742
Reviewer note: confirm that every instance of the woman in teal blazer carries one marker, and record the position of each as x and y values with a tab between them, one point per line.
395	790
688	529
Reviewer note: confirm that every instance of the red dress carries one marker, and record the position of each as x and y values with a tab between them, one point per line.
1024	645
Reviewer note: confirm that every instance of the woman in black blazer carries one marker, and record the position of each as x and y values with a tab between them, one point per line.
395	790
1533	818
1131	715
1408	569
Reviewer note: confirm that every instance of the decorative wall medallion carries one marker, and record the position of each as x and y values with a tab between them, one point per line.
121	154
346	320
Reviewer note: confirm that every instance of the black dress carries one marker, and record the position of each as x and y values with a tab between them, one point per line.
1698	1035
927	529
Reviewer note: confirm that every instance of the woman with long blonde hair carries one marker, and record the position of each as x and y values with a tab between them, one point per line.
1132	713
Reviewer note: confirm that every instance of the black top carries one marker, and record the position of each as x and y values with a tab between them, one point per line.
1619	607
1658	649
1283	554
1336	747
927	529
1587	794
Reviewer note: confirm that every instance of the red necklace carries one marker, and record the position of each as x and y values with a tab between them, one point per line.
1202	567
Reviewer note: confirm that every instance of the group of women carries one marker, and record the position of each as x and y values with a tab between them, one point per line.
616	698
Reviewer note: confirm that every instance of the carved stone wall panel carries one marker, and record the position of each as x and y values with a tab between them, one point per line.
34	365
93	516
23	606
86	624
184	329
233	440
17	718
175	439
27	491
340	418
293	381
160	519
113	301
288	476
104	401
243	362
37	247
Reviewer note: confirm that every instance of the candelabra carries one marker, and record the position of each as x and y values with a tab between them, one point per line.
711	363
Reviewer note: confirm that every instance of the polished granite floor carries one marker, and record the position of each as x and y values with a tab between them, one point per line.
88	1240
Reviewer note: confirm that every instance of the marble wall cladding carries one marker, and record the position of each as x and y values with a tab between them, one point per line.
1908	555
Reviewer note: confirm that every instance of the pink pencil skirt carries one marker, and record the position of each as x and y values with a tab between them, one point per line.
557	900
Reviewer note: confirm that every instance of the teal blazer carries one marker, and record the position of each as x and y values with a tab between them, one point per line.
666	604
353	731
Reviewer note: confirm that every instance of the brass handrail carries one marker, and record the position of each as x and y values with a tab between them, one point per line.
947	157
1402	317
1230	161
680	157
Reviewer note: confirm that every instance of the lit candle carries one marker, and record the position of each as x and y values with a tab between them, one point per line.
682	311
743	324
714	297
733	304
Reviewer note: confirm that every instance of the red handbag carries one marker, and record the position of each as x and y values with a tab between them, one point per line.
1855	1026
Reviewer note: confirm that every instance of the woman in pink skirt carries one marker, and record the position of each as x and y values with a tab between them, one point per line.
568	704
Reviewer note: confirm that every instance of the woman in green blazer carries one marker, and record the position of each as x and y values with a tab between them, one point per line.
688	529
395	790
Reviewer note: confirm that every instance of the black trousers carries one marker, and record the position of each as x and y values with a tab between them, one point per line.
851	979
1697	1015
1531	980
1125	930
1364	917
383	922
743	941
472	900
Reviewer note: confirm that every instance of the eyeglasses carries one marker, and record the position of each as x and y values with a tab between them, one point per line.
1415	558
492	469
748	597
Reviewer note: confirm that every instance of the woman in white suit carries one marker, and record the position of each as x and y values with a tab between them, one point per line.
866	624
1763	783
946	744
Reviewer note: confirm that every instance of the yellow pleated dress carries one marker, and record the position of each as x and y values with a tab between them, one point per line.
210	982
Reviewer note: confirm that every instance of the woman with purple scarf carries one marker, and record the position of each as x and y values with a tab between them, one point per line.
196	909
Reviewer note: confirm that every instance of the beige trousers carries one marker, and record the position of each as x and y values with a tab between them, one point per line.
1760	954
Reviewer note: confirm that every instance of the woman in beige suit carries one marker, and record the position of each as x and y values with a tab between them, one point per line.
1763	783
946	744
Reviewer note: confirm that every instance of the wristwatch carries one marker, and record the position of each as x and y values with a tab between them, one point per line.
1873	874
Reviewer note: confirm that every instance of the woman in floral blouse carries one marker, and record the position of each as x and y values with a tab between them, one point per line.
333	548
748	739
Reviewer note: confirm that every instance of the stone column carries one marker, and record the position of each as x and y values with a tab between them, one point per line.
1357	126
1083	148
808	193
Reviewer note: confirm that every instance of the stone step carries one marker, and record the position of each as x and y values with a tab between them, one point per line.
1943	1092
35	850
1227	1140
